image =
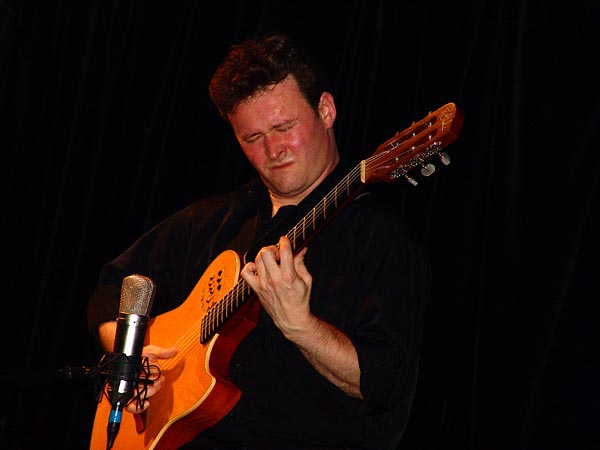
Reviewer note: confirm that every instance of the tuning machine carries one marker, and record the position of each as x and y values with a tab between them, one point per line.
444	158
427	169
410	179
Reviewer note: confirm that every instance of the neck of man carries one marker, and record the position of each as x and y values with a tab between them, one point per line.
278	201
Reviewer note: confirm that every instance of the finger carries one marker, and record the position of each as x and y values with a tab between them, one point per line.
250	275
249	268
270	254
134	407
286	257
154	352
267	265
300	267
137	406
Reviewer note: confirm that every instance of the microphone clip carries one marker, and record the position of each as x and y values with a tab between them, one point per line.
118	368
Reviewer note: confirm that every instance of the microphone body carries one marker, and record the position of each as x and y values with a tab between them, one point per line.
126	364
137	294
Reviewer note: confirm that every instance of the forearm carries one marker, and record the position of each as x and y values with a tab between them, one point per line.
106	333
331	353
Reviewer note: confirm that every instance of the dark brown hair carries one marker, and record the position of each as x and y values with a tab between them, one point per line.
257	64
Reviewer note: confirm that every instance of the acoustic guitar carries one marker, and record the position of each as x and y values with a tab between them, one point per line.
222	310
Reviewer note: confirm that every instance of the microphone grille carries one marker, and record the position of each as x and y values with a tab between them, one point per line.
137	294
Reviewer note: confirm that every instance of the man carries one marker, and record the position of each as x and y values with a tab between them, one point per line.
333	360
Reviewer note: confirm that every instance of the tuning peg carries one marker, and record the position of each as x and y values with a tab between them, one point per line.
410	179
427	169
444	157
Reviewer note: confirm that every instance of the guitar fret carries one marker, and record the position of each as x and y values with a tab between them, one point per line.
215	321
226	308
221	316
206	326
304	229
335	194
293	236
211	323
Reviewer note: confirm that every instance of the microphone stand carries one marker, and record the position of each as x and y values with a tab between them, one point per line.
67	373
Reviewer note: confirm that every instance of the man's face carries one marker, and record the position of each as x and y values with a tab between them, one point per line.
291	147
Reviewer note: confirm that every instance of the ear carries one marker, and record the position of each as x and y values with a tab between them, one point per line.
327	111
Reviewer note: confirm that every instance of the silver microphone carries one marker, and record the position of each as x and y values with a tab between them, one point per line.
137	295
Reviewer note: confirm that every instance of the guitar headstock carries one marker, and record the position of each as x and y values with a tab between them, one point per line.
414	146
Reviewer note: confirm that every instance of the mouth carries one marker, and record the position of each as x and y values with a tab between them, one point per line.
282	166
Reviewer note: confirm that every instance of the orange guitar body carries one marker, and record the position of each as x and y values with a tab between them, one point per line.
197	392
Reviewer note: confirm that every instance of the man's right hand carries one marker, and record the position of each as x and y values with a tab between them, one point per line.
155	354
107	331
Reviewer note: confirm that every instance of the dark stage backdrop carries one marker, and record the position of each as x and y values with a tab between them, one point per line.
107	128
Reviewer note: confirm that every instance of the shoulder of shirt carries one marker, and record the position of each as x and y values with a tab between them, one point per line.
249	195
377	194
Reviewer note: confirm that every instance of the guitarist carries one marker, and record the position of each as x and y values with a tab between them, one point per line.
332	361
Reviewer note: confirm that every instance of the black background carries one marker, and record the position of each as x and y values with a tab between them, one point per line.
107	128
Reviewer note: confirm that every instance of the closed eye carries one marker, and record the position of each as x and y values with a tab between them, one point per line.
281	128
287	126
252	139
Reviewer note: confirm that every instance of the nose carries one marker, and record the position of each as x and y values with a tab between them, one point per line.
274	146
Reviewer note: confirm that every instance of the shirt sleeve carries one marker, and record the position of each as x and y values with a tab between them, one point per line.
388	337
371	281
174	254
171	254
395	281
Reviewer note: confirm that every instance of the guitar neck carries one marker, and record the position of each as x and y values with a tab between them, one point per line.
325	210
